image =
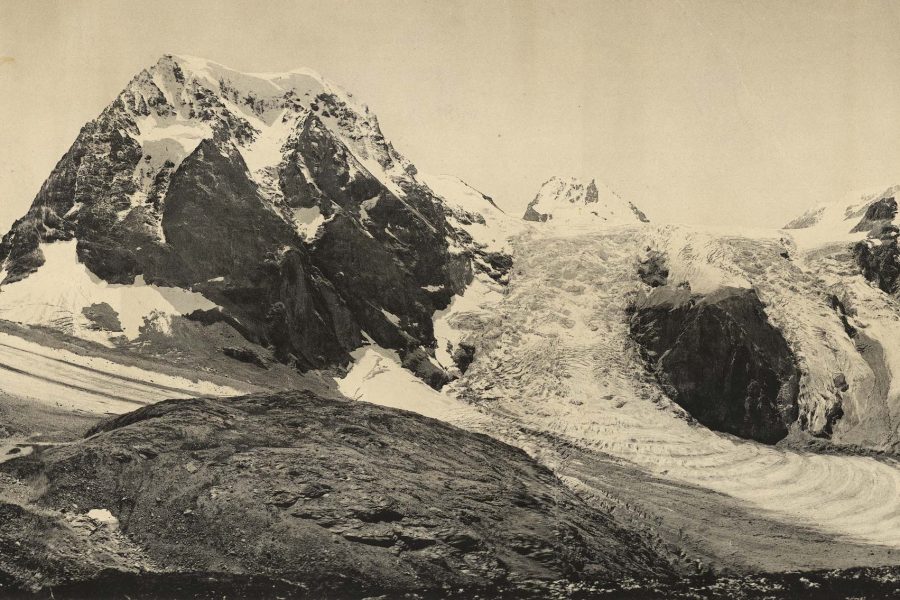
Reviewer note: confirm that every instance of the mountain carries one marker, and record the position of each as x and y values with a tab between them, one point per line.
240	332
574	201
850	214
269	202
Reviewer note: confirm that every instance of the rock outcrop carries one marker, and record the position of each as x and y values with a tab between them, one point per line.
720	359
878	257
652	268
878	214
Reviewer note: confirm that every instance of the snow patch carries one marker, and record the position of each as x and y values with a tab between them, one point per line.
377	377
307	222
265	153
103	517
57	293
365	206
394	319
167	139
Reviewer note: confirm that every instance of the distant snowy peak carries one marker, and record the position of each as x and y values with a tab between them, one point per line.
575	201
849	209
851	218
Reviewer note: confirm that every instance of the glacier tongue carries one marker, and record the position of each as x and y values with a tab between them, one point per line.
554	356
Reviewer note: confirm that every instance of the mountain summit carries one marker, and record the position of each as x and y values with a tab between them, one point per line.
572	200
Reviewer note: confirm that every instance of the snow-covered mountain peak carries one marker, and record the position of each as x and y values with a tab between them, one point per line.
572	200
191	87
301	82
211	180
172	106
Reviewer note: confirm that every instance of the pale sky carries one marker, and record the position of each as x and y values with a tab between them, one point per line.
700	112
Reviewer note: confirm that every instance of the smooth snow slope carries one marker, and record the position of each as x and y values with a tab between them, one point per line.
377	376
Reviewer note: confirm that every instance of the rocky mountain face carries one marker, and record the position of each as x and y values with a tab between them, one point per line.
275	196
402	503
572	200
720	359
877	256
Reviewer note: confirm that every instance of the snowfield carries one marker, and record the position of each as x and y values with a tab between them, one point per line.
57	294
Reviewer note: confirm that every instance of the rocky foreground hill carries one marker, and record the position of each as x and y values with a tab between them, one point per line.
296	495
330	497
